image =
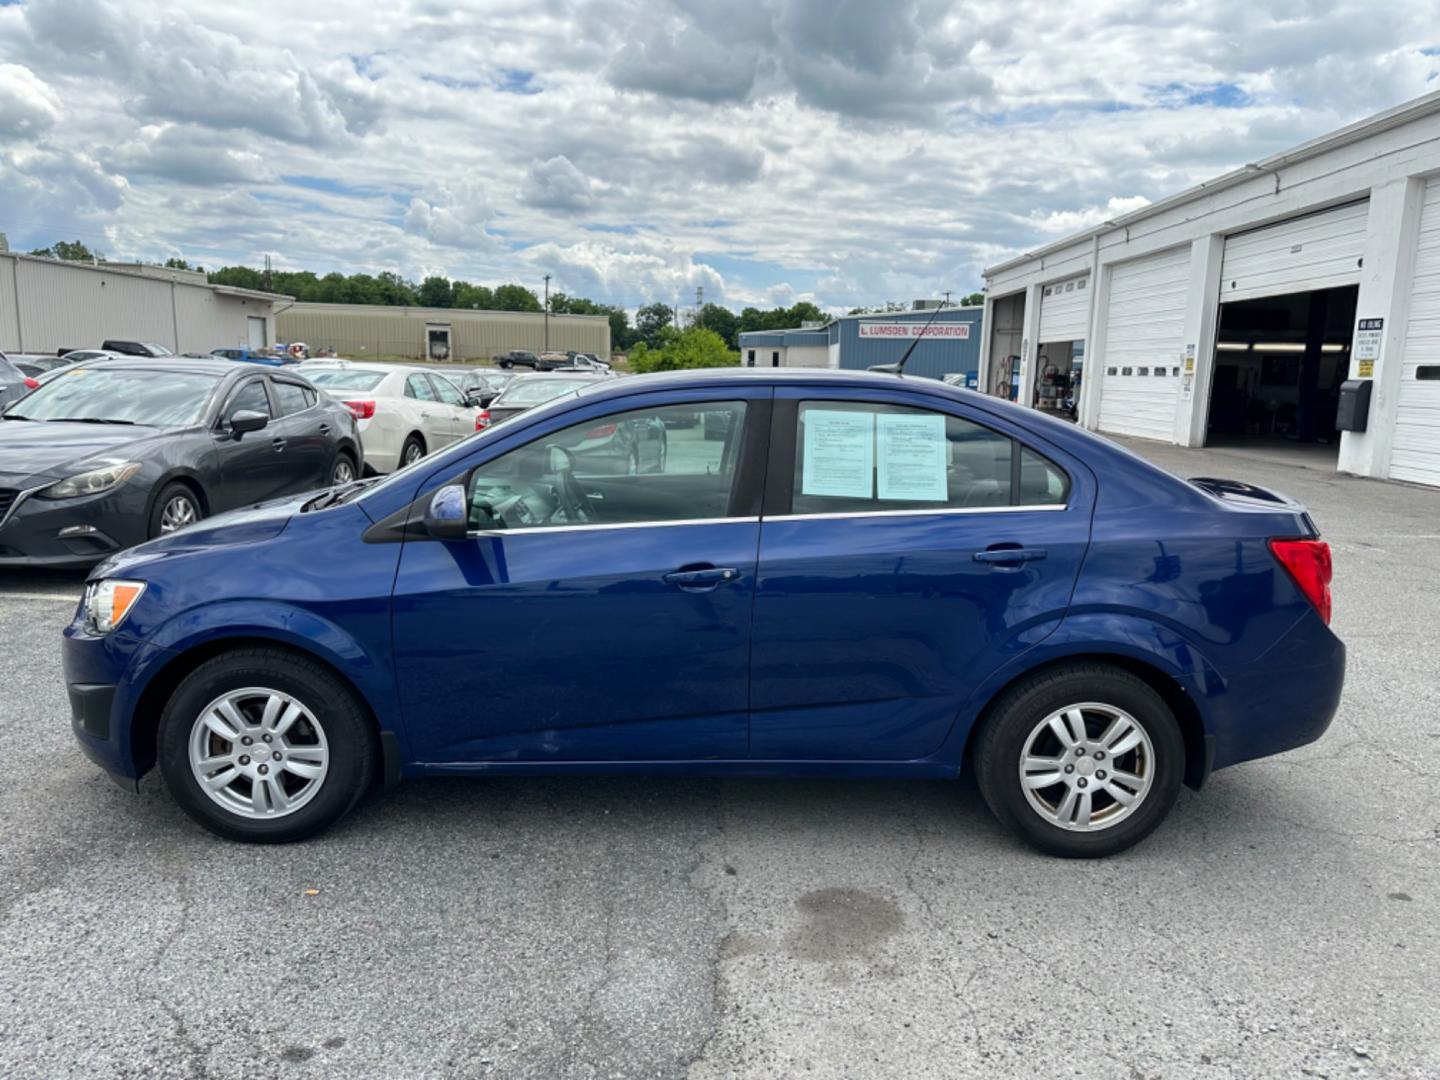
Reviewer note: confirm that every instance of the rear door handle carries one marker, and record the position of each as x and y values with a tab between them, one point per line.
324	429
702	579
1009	555
278	444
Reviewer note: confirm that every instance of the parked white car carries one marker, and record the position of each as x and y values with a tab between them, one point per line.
403	413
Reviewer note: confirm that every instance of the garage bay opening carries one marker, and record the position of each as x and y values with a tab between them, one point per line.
1279	362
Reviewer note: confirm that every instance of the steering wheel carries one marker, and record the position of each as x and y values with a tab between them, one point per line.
578	506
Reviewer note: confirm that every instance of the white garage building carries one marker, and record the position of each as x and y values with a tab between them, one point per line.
1233	312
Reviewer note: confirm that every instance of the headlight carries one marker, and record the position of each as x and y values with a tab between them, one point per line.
93	482
108	602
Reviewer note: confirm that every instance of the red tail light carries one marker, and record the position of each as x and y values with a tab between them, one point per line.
482	419
1308	563
31	384
363	410
604	431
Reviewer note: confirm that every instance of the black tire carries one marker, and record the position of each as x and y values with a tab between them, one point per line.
349	733
412	443
1000	747
507	364
343	458
171	495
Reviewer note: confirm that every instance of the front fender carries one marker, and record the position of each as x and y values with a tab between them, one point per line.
365	664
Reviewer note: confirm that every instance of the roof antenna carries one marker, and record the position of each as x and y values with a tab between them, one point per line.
898	368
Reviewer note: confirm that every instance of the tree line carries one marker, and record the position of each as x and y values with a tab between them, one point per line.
657	326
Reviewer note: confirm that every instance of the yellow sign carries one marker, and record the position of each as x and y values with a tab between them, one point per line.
1367	369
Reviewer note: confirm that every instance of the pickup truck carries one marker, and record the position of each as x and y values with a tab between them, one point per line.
524	358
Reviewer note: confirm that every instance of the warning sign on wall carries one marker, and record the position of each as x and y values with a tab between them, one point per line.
1369	333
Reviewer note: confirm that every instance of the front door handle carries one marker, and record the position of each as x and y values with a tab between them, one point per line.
701	579
278	444
324	429
1004	555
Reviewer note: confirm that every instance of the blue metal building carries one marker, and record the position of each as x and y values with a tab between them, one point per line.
951	346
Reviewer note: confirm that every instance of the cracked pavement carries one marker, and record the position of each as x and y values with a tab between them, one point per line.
1284	922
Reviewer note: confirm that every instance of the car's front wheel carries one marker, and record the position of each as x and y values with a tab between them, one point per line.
176	507
1082	761
265	746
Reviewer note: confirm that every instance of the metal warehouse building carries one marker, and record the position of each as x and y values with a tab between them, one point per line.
47	304
951	346
1234	312
358	330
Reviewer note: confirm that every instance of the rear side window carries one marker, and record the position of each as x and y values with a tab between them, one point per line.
417	386
859	457
290	397
446	391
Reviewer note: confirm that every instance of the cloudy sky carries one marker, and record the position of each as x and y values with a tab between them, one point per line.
845	151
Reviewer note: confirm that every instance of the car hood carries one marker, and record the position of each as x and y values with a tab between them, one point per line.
47	450
248	525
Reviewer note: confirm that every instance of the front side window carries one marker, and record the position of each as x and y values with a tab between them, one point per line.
646	465
249	398
860	457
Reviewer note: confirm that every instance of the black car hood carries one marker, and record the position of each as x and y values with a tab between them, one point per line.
44	450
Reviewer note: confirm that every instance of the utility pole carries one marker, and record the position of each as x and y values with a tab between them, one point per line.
699	298
947	296
547	313
268	275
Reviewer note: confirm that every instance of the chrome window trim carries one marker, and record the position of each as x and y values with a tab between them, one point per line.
942	511
947	512
526	530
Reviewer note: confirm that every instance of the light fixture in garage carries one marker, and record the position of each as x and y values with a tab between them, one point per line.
1232	346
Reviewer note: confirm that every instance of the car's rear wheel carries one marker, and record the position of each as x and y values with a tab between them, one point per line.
412	451
1082	761
176	506
264	746
343	471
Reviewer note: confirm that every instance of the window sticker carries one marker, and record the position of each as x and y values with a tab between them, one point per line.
911	464
839	454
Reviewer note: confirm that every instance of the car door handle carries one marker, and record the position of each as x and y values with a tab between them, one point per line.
324	429
278	444
1004	555
701	579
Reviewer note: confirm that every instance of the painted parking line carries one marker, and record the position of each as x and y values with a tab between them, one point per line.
68	598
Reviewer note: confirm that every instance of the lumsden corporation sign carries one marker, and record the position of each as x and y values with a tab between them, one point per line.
958	331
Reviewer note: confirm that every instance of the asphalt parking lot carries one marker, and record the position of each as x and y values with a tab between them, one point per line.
1284	922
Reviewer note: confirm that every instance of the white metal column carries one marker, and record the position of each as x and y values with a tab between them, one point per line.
1415	450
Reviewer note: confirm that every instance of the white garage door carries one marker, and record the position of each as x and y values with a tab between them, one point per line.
1065	310
1318	251
1415	455
1144	344
255	330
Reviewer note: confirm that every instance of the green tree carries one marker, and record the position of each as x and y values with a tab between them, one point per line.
974	299
395	290
70	251
515	298
693	347
723	321
621	336
435	292
650	320
239	277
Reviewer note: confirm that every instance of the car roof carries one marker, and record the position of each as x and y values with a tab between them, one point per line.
192	365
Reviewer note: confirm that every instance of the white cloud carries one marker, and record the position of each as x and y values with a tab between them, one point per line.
28	108
844	150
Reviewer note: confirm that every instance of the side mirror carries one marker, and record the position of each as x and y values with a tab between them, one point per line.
446	517
247	420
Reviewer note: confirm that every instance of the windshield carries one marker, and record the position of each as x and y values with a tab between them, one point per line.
157	350
111	395
341	379
534	392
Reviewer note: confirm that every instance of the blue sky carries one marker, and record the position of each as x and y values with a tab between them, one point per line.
842	151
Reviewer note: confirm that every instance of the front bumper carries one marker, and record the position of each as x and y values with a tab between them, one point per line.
68	533
103	678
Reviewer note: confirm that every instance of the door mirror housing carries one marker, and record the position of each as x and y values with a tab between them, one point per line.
447	514
247	420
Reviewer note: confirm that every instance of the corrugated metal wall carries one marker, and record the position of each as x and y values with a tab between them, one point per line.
47	305
932	357
358	330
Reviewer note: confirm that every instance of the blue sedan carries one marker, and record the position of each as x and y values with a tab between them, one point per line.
855	574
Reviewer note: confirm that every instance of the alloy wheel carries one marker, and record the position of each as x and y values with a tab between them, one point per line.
1087	766
413	453
343	473
258	753
179	511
